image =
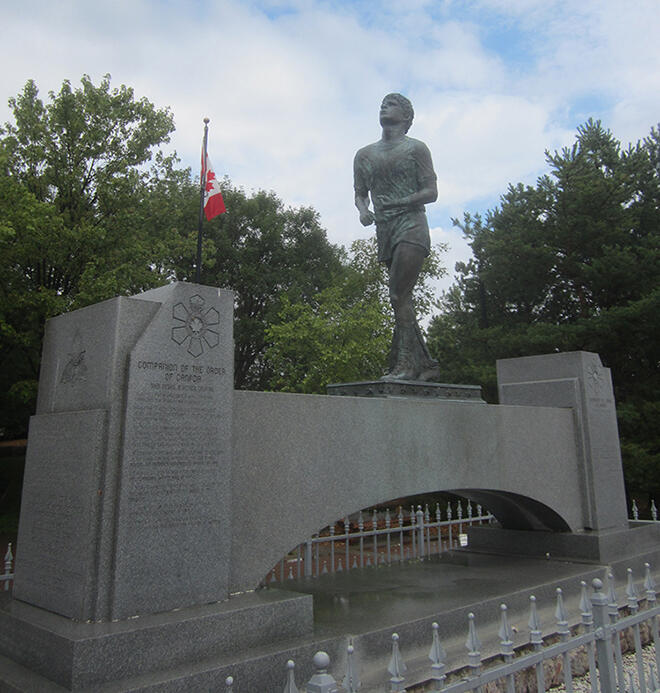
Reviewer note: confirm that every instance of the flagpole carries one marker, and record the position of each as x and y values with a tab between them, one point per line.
198	264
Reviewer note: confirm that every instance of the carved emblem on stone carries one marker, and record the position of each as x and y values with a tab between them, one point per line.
193	325
595	379
75	369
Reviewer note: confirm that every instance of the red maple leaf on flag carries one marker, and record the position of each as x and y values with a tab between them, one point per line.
213	202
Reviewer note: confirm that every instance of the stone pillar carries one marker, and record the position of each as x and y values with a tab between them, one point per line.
126	497
579	381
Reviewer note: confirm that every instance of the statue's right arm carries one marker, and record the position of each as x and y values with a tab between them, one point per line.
366	215
362	190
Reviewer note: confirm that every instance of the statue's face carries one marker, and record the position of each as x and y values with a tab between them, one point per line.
391	112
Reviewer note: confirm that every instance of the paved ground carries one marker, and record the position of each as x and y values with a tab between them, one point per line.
372	598
372	603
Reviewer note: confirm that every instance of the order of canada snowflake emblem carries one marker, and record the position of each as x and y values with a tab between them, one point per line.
194	325
595	379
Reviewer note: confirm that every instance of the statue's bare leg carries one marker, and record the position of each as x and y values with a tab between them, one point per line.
411	358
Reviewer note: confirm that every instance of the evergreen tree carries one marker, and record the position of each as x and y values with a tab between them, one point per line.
570	264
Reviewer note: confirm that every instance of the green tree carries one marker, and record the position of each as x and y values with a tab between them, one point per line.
74	226
85	153
570	264
343	334
96	210
269	255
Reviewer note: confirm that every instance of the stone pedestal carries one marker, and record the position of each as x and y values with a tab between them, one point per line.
595	547
577	380
164	652
407	388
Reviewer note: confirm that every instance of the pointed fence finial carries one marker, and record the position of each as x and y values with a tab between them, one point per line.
564	633
585	602
631	592
534	623
560	611
397	667
536	639
649	585
290	679
473	646
613	607
9	557
438	657
351	680
322	681
505	633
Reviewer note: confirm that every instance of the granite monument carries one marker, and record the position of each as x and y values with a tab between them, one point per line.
125	530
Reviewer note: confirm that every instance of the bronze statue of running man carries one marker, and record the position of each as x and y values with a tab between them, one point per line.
397	173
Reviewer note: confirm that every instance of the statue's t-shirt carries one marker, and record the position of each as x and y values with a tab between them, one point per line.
395	170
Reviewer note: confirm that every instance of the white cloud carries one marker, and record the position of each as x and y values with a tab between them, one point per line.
293	87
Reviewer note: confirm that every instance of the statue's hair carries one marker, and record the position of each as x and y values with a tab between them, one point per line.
406	106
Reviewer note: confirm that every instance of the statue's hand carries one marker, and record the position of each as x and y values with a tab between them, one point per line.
367	217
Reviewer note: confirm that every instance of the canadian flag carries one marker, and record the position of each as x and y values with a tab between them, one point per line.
213	202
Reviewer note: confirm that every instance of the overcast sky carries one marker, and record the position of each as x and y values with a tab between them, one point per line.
292	87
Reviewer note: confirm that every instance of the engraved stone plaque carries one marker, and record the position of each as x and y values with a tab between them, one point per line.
126	498
174	519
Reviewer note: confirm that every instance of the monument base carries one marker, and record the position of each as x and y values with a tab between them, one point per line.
88	656
415	389
593	547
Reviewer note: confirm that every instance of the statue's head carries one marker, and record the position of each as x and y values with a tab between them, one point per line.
403	104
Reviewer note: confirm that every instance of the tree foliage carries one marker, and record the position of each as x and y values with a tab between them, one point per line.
91	208
344	333
73	181
570	264
269	255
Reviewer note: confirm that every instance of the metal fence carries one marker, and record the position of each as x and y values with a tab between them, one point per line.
599	633
373	538
634	511
8	576
380	539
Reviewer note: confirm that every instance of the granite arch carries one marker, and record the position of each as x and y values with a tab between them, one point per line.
317	458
